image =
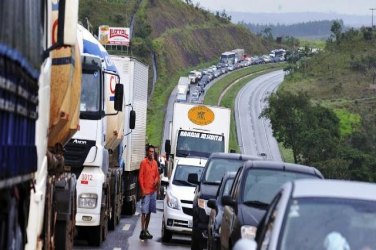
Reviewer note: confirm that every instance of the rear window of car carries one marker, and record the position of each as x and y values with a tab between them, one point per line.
263	184
217	168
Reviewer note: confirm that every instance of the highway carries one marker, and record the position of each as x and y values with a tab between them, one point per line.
255	137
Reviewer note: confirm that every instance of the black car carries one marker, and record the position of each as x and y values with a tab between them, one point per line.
216	167
255	185
215	217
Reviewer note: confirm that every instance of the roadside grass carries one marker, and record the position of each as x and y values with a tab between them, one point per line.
286	153
228	100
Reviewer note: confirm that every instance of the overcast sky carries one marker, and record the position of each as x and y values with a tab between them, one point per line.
352	7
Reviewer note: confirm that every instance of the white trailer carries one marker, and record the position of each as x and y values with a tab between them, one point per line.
182	89
197	131
132	147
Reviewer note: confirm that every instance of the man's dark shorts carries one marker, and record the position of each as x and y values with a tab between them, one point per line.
149	203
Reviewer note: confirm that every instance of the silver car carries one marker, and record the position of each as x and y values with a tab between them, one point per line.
320	214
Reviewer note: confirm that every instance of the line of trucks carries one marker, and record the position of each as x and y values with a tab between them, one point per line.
70	140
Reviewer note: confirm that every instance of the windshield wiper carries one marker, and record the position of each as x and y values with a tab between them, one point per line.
182	154
183	182
256	204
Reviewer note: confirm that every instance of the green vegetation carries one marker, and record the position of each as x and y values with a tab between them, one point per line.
325	110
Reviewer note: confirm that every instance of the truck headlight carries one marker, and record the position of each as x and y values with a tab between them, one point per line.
87	200
172	201
248	232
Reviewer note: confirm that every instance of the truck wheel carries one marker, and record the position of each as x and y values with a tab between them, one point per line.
166	234
63	235
129	207
96	236
112	219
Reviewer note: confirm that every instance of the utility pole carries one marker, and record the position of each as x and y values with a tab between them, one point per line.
372	9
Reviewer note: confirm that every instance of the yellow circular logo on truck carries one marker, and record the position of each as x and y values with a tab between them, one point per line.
201	115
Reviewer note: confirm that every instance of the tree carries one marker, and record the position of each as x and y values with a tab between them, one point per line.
336	29
312	132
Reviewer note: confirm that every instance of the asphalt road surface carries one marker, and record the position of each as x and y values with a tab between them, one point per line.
255	134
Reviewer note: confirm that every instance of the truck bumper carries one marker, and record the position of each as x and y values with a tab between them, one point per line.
86	219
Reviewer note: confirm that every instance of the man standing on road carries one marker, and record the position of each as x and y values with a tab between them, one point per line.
148	179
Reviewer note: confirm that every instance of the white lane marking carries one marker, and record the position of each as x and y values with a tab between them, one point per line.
136	214
126	227
117	248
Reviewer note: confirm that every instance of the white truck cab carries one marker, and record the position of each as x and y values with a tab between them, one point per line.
178	202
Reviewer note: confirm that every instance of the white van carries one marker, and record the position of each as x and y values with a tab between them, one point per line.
178	202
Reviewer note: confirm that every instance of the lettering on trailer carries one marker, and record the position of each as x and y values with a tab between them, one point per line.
112	88
201	135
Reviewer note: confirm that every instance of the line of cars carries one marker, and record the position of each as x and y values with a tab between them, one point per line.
244	202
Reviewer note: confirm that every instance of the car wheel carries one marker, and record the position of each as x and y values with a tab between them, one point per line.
166	234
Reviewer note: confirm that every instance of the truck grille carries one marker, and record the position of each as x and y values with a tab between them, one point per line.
76	153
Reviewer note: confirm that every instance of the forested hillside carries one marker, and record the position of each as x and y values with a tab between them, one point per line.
311	30
180	35
326	109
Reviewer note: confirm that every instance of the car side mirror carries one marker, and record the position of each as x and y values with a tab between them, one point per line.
212	203
228	201
193	178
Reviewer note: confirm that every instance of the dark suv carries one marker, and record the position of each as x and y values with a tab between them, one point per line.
216	167
255	185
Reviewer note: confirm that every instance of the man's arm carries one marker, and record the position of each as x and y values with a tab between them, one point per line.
141	180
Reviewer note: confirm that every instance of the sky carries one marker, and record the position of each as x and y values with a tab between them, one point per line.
351	7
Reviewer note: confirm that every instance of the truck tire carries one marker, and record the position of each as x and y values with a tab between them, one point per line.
129	207
166	234
96	236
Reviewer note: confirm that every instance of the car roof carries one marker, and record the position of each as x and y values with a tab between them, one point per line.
234	156
291	167
334	189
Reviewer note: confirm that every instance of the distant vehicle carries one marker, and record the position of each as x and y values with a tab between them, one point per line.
255	185
194	76
177	209
204	80
182	89
239	55
215	217
195	97
207	186
228	57
320	214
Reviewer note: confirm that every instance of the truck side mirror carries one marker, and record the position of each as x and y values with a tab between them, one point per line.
168	147
132	119
119	92
67	22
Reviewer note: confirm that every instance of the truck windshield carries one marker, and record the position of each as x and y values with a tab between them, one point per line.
90	94
182	172
198	144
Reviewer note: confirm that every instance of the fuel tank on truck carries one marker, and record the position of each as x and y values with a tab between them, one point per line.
65	95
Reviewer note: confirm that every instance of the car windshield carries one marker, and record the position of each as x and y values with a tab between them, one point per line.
261	185
323	223
217	168
182	172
